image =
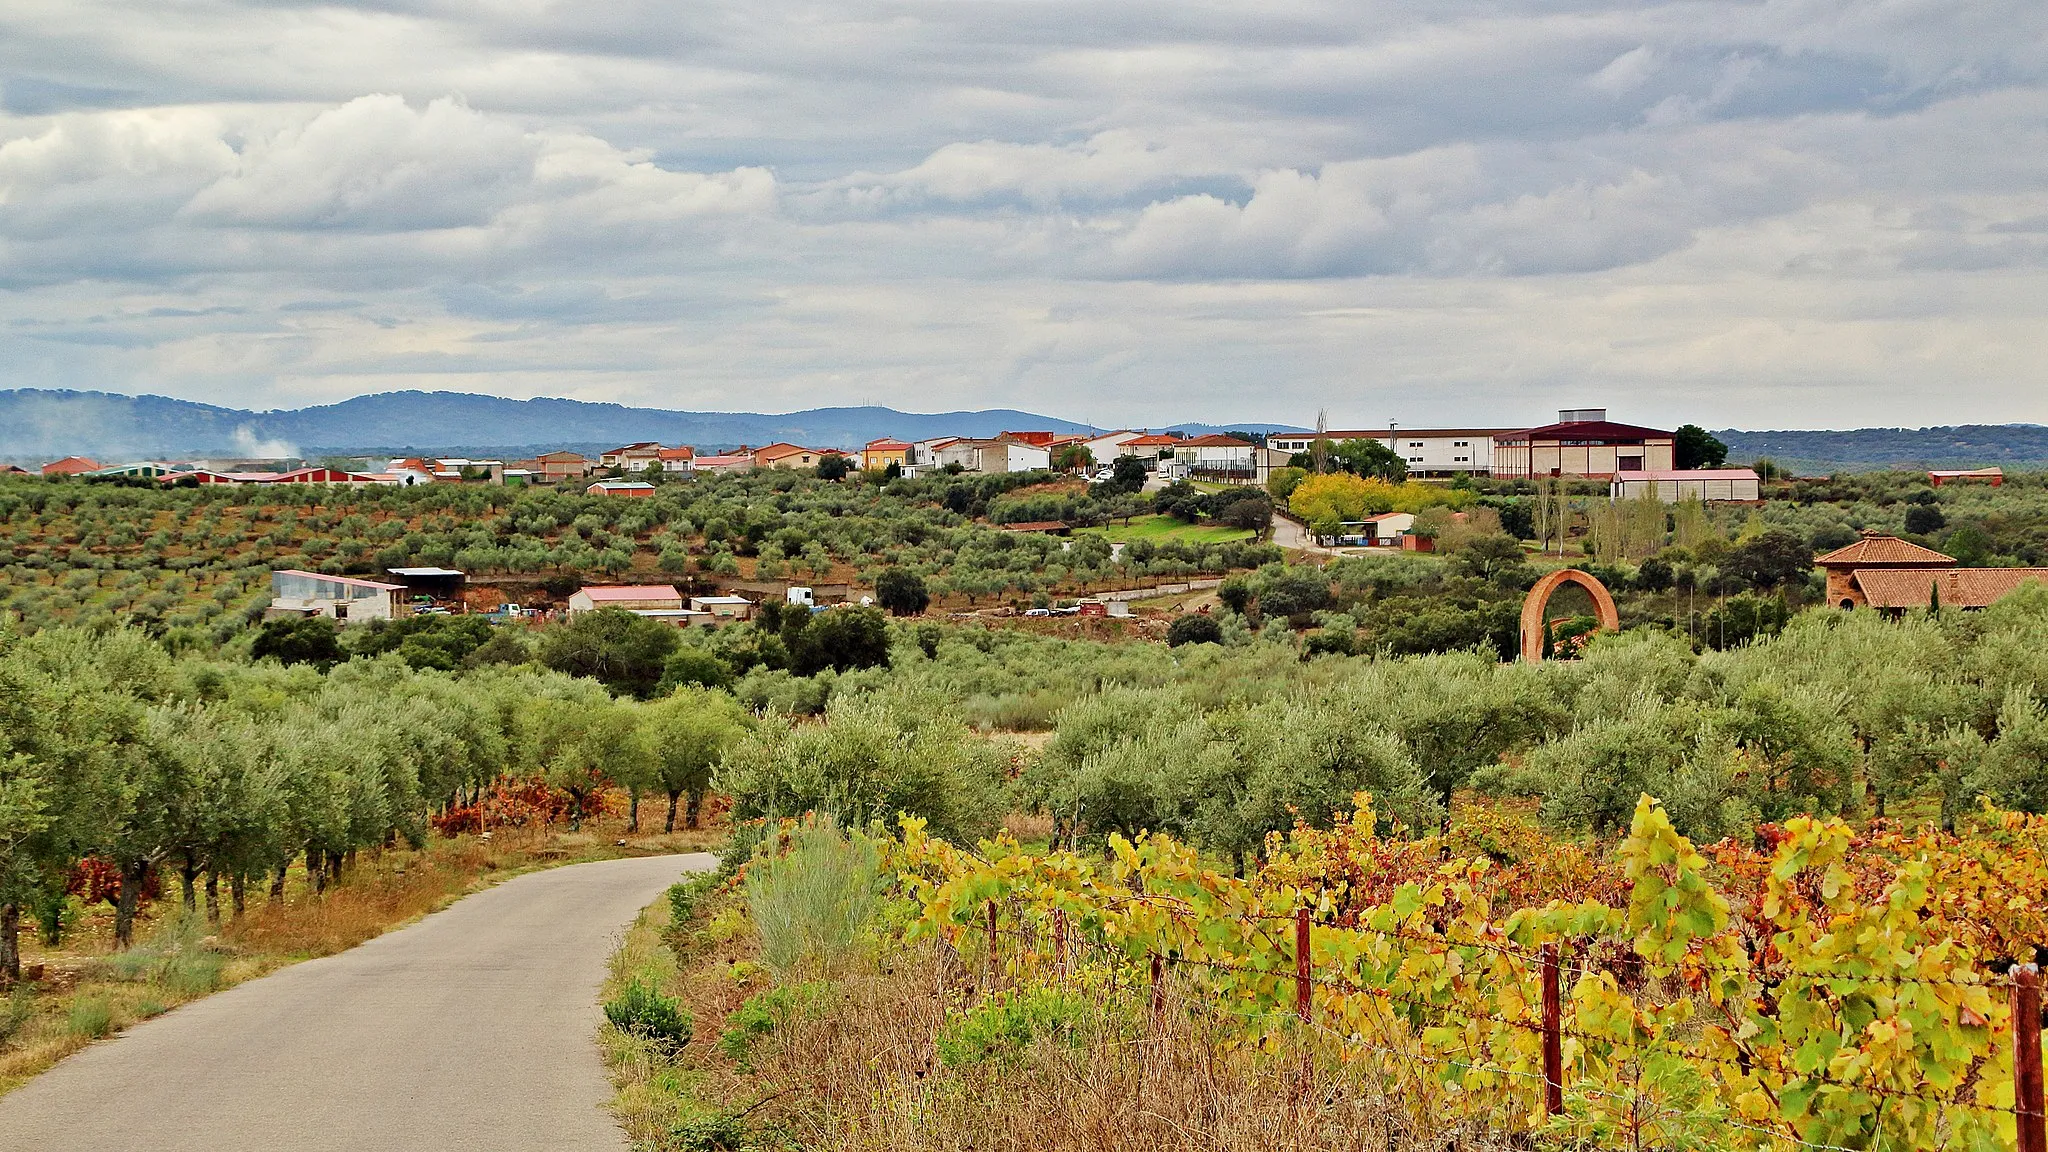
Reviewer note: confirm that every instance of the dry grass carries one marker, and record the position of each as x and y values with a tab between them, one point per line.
382	891
863	1070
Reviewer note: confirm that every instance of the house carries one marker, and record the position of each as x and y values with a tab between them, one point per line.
631	597
631	457
729	462
1583	442
1894	575
1109	445
71	466
1994	476
784	455
998	455
13	470
636	489
343	598
879	454
555	467
1218	457
677	459
1148	446
1671	486
724	607
1426	451
1386	530
1035	439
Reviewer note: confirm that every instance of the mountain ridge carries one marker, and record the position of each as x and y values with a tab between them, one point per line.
45	424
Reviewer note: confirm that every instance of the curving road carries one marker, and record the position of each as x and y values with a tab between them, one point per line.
471	1029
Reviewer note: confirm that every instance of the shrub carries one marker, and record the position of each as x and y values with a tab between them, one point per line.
172	958
1000	1028
16	1010
811	902
902	592
642	1010
90	1018
763	1013
1194	630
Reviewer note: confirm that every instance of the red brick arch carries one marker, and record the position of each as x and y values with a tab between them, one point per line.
1533	620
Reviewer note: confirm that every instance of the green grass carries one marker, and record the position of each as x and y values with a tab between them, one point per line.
1159	529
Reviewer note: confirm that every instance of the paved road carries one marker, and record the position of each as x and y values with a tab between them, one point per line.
472	1029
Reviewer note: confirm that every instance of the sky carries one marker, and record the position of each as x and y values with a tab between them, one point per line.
1775	214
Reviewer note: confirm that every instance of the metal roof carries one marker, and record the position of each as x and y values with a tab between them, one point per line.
424	572
632	592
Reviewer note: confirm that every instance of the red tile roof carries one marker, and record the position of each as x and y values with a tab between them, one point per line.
1215	440
71	466
1960	587
1587	430
1879	551
1154	440
885	444
604	593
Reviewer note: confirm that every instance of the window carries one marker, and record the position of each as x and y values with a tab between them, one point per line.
1415	443
1415	459
1460	444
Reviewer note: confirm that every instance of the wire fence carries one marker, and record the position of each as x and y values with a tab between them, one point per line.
1370	1024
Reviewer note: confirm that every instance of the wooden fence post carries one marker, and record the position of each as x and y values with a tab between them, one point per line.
1301	964
1553	1034
2026	1058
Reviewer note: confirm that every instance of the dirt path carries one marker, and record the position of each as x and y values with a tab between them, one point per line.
473	1029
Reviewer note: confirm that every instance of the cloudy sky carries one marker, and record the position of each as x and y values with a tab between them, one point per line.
1767	213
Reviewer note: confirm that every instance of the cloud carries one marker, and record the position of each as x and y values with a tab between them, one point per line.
375	163
1151	209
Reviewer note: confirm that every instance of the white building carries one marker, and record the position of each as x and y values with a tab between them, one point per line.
1673	485
1108	446
1218	458
343	598
1425	450
998	455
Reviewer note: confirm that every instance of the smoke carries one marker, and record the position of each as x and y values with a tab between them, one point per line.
247	444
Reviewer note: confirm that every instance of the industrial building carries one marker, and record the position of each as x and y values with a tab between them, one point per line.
1583	442
1714	484
343	598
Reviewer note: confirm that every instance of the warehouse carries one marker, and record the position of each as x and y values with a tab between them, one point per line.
1673	485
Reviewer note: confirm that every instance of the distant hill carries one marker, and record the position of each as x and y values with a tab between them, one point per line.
46	424
43	425
1875	449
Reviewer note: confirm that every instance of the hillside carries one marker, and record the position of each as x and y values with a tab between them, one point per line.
1870	449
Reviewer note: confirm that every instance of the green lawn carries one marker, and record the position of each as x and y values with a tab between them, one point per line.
1162	528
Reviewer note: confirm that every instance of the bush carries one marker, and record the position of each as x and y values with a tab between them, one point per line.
642	1010
811	903
763	1013
1194	630
1001	1027
1923	519
901	592
627	653
16	1010
312	640
693	666
90	1018
872	760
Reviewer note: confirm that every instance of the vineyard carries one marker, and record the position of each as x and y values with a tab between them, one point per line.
1837	991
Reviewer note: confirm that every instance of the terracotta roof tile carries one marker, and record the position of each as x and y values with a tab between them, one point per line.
1884	550
1960	587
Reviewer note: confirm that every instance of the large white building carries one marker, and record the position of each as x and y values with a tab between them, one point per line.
1425	450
